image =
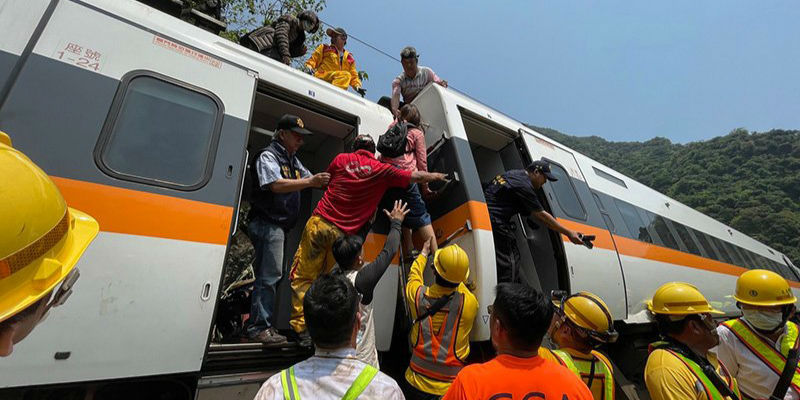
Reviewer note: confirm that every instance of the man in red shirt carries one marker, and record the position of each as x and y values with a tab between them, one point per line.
519	319
358	182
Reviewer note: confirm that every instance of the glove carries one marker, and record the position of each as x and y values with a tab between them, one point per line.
361	91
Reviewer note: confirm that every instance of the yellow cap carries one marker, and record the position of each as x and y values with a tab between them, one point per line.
41	239
452	263
679	298
759	287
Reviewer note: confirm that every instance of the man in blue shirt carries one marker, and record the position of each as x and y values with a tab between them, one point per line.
274	209
511	193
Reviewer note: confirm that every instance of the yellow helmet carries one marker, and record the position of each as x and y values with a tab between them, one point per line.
588	311
679	298
451	263
41	238
759	287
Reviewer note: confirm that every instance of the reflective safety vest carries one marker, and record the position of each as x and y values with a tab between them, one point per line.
434	354
290	391
764	350
712	393
603	371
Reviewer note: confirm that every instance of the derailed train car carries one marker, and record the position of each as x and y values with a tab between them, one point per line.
147	123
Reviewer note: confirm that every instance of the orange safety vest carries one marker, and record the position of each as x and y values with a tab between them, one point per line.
434	354
774	359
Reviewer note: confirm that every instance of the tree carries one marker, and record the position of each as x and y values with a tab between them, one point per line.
243	16
747	180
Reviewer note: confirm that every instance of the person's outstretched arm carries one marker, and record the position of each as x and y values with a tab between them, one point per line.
369	275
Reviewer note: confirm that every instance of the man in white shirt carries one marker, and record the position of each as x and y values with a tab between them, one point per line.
334	372
754	347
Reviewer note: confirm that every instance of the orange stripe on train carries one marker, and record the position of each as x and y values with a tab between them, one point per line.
140	213
635	248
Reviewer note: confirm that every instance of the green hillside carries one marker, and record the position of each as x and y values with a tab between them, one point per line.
748	180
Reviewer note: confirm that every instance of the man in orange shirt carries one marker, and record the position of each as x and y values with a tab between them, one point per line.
519	319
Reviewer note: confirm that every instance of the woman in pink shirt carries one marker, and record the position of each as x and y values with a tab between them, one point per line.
414	159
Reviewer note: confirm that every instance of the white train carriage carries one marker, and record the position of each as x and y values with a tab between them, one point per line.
147	123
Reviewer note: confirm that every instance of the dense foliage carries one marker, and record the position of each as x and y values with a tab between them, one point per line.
748	180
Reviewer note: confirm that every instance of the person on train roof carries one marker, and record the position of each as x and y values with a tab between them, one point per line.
518	320
285	38
358	182
335	65
756	346
511	193
581	323
275	205
411	81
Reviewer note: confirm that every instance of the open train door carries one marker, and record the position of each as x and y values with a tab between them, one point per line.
597	270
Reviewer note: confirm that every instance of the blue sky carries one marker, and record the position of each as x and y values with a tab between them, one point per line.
685	70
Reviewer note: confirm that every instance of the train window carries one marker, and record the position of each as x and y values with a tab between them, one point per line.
636	226
604	213
160	132
750	258
660	225
722	250
612	178
733	251
566	195
686	238
705	245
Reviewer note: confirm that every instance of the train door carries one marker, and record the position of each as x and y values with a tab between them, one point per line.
332	132
598	269
147	133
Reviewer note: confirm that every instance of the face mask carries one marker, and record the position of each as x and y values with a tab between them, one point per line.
763	320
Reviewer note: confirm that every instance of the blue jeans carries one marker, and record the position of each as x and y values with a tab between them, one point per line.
268	241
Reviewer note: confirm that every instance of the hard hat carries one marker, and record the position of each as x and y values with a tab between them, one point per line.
586	310
759	287
679	298
451	263
41	238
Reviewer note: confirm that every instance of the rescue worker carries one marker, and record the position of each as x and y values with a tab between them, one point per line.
273	213
518	320
333	64
511	193
347	251
443	315
681	366
333	372
41	240
581	323
411	81
755	347
285	38
358	182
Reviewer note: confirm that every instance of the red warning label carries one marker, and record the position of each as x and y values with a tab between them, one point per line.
187	51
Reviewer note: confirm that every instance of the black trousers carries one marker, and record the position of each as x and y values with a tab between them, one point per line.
506	253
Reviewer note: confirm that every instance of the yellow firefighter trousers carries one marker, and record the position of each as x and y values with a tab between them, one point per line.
314	257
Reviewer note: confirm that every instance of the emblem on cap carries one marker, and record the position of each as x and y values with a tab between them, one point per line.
300	123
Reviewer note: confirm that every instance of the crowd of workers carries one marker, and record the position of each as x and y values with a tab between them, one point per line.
752	357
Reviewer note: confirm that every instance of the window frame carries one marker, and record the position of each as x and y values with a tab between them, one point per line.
114	112
585	216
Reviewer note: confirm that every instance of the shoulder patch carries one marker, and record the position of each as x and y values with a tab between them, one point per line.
350	58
